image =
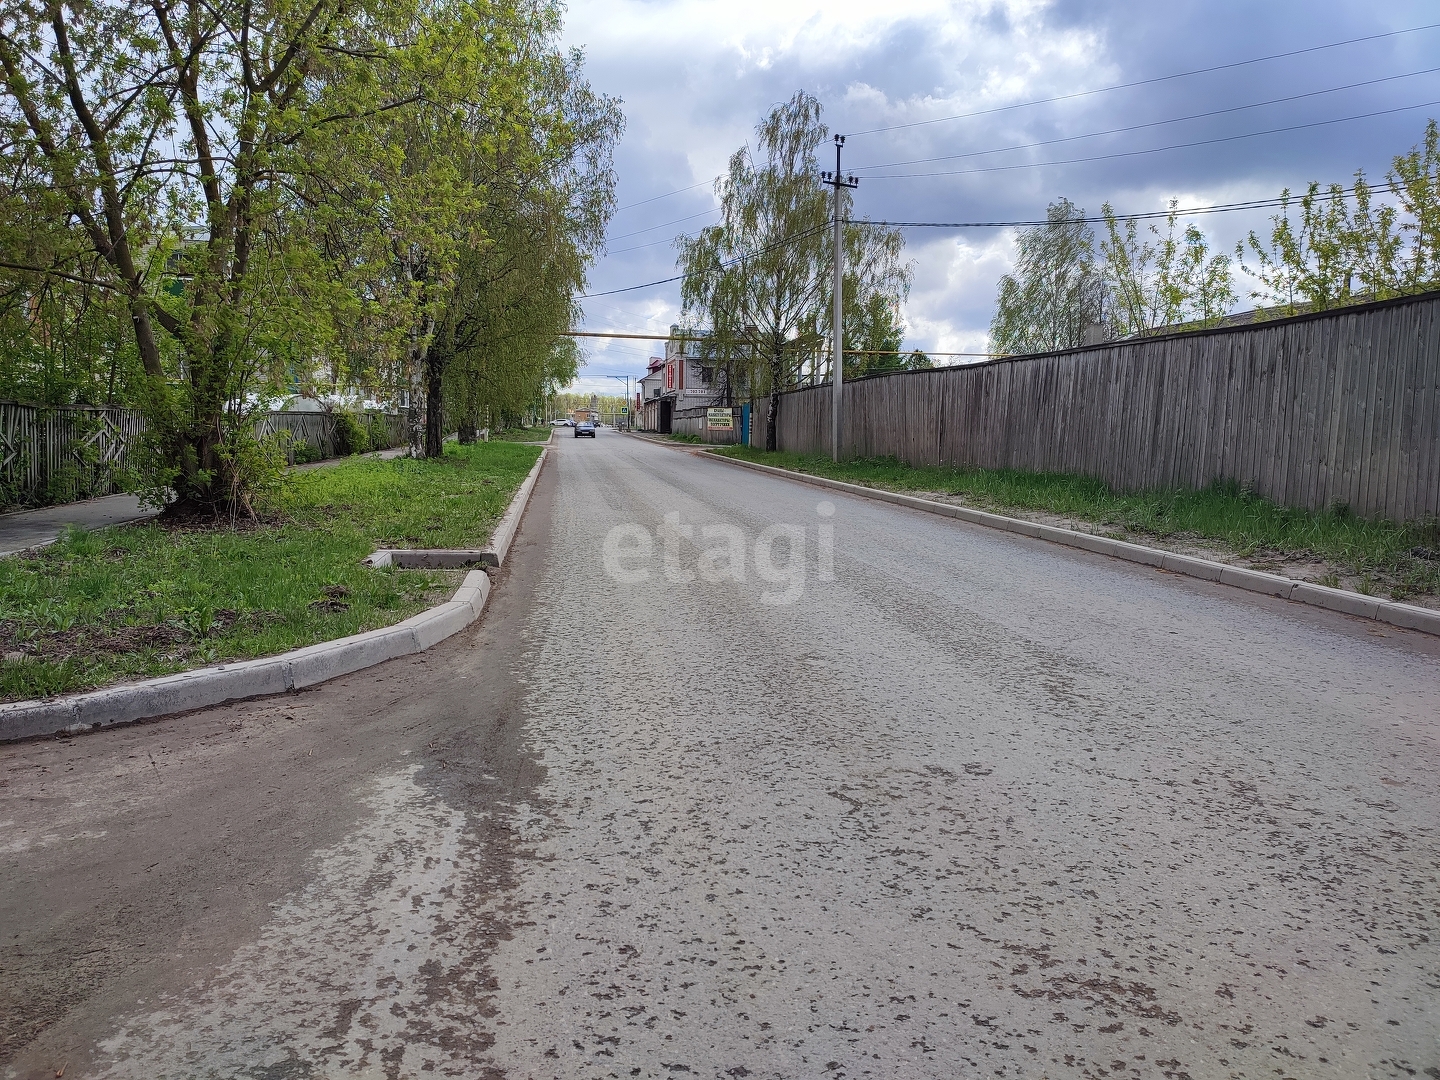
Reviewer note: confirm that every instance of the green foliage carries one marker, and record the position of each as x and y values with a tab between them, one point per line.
247	199
497	353
1163	283
147	599
351	436
1055	291
304	454
1346	247
760	282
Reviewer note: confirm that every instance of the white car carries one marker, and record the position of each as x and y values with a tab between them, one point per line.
564	422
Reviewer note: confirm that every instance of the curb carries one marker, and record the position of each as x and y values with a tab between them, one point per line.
1406	616
298	669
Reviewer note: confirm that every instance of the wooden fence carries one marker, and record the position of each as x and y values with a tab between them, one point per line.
1312	411
57	455
695	422
63	454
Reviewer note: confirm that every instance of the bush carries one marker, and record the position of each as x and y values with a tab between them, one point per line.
303	453
351	436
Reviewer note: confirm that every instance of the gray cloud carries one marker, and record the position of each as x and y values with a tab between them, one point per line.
697	76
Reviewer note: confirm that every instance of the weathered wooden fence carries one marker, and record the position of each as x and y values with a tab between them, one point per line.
63	454
695	422
1335	407
56	455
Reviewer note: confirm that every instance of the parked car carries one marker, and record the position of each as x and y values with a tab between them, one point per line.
585	428
564	421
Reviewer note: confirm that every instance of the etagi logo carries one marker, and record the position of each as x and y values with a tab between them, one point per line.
723	554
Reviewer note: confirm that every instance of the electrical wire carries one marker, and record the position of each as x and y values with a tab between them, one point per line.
727	263
657	198
1146	82
663	224
1194	211
1150	124
1157	149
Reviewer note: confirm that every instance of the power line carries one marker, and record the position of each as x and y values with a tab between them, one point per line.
667	194
1149	82
1150	124
662	225
727	263
1195	211
1157	149
641	247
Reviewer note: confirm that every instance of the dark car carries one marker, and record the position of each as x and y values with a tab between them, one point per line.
585	428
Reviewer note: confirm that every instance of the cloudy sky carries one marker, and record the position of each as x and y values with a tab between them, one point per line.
695	77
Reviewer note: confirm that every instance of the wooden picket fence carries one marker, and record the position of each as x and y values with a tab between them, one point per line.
1338	407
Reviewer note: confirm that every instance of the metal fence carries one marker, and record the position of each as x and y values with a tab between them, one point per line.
58	455
1335	407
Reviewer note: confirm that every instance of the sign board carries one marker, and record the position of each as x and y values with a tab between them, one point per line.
624	409
719	419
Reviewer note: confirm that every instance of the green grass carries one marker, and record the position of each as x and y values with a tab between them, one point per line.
143	600
685	437
534	434
1407	557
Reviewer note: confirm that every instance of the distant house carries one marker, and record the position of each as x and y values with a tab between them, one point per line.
684	378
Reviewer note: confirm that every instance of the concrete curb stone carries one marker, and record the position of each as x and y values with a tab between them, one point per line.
298	669
1407	616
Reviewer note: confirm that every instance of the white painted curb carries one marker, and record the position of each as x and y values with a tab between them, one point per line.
295	670
1366	607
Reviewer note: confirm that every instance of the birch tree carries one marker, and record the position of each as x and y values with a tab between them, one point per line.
760	281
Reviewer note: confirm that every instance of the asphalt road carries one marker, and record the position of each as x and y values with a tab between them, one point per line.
912	799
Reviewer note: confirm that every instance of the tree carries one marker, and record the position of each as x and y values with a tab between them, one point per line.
262	186
1166	282
760	281
1055	291
550	197
1348	246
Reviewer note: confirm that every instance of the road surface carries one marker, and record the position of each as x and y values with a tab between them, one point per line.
909	799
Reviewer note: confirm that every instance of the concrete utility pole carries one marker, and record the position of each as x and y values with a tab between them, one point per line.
837	346
625	423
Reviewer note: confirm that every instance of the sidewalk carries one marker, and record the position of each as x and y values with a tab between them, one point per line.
35	528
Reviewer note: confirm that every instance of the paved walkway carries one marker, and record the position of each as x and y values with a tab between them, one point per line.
36	528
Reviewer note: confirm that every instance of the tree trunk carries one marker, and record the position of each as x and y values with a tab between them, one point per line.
434	405
771	436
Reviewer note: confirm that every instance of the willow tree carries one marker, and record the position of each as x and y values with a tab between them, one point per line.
1055	291
1349	245
499	345
759	282
1167	279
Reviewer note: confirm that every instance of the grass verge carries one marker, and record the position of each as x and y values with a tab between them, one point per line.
149	599
534	434
1402	561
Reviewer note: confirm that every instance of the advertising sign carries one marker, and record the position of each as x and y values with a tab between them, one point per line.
720	419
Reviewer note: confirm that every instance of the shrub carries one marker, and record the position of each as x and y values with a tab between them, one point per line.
351	436
303	453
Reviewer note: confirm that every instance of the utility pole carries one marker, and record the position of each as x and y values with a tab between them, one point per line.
628	403
837	347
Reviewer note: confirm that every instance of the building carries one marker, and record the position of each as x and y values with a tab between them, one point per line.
684	379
